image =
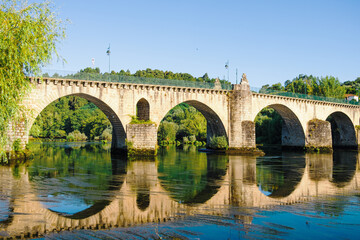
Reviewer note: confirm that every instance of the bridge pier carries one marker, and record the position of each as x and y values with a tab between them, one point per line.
357	130
242	129
17	135
319	137
141	139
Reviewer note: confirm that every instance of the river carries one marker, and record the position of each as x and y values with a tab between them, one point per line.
82	190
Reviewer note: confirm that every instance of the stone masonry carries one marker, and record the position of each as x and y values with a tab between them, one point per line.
228	113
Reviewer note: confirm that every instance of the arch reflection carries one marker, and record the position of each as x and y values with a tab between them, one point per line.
76	180
190	176
344	167
278	176
143	198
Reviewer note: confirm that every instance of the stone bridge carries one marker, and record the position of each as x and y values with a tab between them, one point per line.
230	113
238	187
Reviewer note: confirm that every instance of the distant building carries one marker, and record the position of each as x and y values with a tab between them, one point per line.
350	97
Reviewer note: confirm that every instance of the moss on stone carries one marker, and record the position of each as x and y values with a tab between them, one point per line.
13	157
324	149
245	151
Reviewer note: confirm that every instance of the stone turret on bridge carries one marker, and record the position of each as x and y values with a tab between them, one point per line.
230	113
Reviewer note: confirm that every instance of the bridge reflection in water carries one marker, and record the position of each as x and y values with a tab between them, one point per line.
125	193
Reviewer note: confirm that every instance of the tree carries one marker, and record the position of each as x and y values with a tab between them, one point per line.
29	34
331	87
277	87
90	70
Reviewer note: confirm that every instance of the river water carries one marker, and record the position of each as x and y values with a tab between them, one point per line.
81	190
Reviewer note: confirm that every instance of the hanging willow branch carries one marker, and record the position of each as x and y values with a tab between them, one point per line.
29	34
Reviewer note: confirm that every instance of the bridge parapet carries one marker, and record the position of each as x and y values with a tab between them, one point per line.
120	85
304	100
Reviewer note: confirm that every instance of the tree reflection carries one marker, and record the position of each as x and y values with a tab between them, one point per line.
189	176
74	179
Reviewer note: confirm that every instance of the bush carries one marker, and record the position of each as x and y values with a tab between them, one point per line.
185	140
106	134
16	145
167	131
192	139
76	136
219	142
35	131
135	120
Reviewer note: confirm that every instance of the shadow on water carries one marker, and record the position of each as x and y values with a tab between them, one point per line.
76	180
278	175
189	176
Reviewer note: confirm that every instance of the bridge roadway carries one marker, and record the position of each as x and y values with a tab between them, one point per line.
230	113
238	187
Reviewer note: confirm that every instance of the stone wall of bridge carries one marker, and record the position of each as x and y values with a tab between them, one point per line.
298	113
119	102
228	113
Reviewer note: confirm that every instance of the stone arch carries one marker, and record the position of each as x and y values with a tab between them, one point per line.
143	109
292	130
118	135
342	130
215	126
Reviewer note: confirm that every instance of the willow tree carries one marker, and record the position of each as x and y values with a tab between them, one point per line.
29	34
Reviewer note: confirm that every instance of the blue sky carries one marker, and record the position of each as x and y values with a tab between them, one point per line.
271	41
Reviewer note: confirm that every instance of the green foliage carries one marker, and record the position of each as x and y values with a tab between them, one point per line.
16	145
149	73
219	142
167	132
76	136
268	125
135	120
28	37
331	87
275	87
353	87
192	139
68	114
328	86
89	166
201	176
90	70
183	122
106	135
147	76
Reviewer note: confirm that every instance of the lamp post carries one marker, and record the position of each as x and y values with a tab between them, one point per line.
108	53
236	76
227	67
